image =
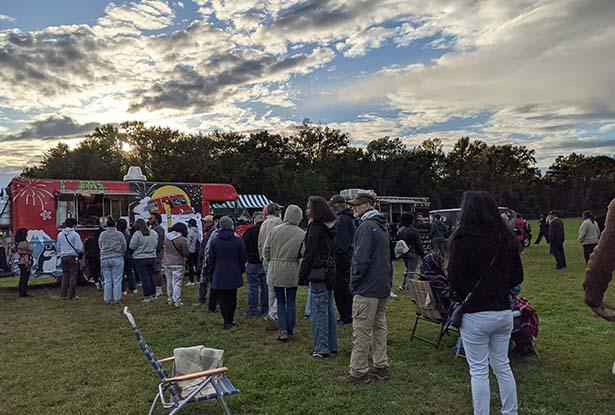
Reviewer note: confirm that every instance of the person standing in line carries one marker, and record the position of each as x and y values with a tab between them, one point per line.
543	228
556	240
318	271
344	239
257	278
176	250
411	236
209	226
273	212
589	234
438	234
91	252
227	260
194	239
24	250
112	244
371	281
155	222
130	283
282	252
70	248
144	243
485	264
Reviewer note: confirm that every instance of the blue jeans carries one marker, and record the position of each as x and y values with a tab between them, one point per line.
145	268
257	280
486	336
286	308
112	270
324	320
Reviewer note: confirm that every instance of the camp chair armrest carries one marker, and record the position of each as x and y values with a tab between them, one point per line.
166	359
196	375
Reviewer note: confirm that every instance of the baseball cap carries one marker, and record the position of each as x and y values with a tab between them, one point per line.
337	199
361	198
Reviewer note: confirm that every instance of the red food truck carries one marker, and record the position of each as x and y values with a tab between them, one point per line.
42	206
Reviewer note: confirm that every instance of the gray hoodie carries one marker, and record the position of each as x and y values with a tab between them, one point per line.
69	243
372	271
144	246
112	243
283	248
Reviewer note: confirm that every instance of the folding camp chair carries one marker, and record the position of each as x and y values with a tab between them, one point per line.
176	397
426	310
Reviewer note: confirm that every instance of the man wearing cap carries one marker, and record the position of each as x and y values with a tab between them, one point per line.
257	278
371	281
194	239
344	239
273	212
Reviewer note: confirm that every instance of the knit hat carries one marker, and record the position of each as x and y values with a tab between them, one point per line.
226	223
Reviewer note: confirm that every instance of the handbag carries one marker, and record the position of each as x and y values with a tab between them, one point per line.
456	315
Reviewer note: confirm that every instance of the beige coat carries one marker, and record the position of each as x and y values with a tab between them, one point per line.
282	250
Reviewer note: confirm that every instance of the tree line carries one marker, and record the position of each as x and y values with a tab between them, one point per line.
314	159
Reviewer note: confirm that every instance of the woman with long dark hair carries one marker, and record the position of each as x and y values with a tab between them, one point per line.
318	270
589	233
143	244
24	249
485	264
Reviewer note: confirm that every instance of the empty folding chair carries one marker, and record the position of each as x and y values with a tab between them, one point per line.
175	392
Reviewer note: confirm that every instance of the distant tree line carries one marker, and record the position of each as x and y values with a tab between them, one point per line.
320	160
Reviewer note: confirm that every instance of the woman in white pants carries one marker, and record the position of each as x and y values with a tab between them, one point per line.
484	265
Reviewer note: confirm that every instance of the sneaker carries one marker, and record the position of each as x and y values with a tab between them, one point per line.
341	322
320	355
228	326
124	293
170	301
147	299
351	380
97	285
393	295
283	337
134	291
179	304
380	373
74	298
402	289
190	284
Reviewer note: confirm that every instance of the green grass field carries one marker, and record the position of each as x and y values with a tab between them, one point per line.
80	357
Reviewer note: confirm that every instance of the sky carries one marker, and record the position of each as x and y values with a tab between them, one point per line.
532	72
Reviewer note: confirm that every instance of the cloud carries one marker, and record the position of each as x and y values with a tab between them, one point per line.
5	18
51	127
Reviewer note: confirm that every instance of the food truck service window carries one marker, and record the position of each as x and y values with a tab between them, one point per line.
66	208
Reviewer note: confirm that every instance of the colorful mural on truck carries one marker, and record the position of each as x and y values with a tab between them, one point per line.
42	206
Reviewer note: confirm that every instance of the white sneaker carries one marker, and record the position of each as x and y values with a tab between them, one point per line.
97	286
179	304
190	284
134	291
170	301
124	293
393	295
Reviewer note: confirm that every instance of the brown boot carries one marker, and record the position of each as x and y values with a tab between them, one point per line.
380	373
351	380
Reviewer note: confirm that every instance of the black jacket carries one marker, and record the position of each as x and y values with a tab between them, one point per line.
411	236
344	231
556	231
472	253
250	239
319	247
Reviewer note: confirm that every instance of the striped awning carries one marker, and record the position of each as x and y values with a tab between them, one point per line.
246	201
254	201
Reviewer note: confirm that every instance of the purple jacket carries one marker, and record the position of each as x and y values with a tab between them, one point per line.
227	260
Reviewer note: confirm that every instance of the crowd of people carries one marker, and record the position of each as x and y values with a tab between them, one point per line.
344	258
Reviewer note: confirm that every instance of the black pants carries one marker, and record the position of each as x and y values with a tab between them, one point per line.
193	259
539	238
94	267
228	304
24	276
557	250
343	297
70	271
587	251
